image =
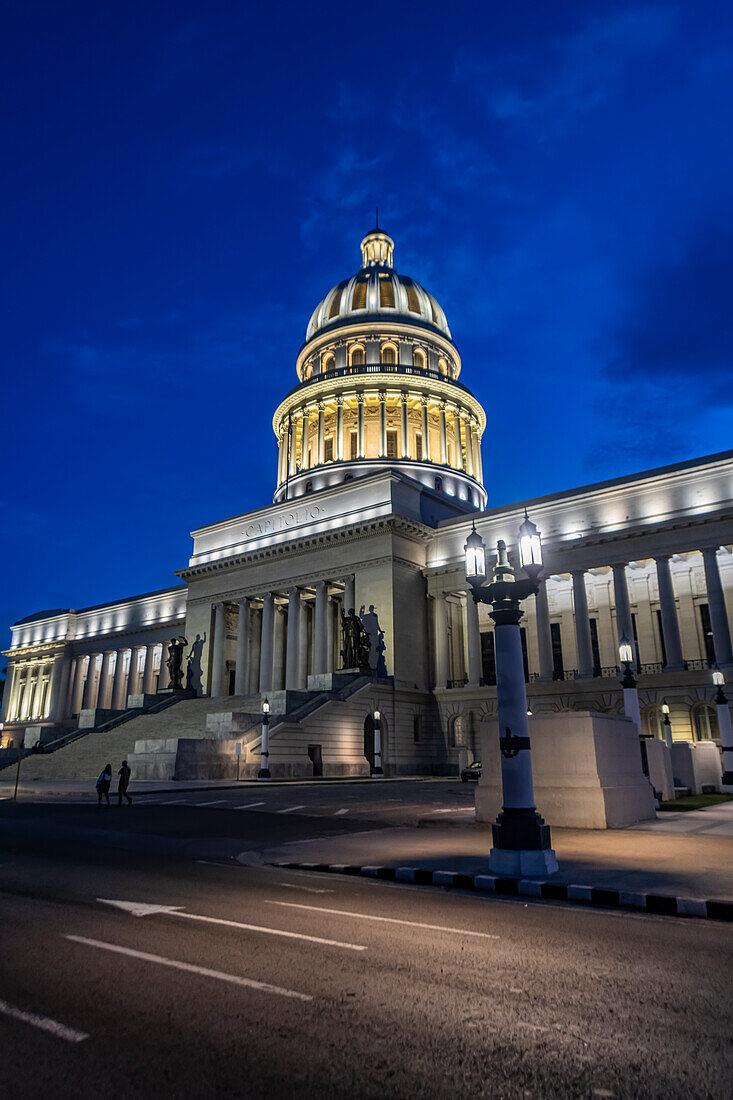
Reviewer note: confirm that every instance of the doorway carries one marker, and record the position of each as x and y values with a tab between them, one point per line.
369	741
316	757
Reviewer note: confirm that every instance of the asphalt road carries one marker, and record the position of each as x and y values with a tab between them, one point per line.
416	992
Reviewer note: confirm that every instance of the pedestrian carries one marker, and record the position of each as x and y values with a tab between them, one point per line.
103	785
124	774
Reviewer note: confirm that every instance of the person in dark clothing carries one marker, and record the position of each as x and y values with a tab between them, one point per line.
124	774
103	785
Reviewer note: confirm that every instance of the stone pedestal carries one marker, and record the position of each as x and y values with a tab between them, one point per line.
659	760
696	766
587	772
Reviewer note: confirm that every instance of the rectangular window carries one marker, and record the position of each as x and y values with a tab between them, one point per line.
354	444
525	661
416	728
418	446
488	657
595	647
660	631
391	444
707	633
328	449
558	669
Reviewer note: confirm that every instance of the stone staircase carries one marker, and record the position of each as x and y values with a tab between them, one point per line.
85	757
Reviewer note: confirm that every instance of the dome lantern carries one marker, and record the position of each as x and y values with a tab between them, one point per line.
377	248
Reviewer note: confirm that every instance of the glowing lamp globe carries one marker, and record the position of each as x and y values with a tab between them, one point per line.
625	652
475	550
266	707
718	677
530	547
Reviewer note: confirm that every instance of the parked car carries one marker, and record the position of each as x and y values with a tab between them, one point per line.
472	773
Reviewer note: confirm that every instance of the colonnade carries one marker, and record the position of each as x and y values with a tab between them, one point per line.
587	666
283	636
316	433
56	688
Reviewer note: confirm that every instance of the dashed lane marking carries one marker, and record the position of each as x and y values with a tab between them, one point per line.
215	802
44	1023
204	971
339	812
307	889
384	920
249	806
292	809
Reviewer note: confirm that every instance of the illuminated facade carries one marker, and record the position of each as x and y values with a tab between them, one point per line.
379	479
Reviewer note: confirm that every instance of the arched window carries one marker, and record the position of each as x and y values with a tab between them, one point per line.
389	353
309	486
328	362
439	483
442	365
418	358
705	722
651	722
357	356
456	732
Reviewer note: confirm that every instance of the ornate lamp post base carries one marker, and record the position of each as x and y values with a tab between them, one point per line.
522	844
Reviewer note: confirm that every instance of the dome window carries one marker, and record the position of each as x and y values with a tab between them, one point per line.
389	354
336	302
386	292
413	302
418	358
359	299
328	363
442	366
357	357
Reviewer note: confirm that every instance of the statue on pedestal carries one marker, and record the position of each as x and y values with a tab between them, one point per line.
357	646
175	662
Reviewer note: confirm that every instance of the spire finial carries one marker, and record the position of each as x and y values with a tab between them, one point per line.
377	225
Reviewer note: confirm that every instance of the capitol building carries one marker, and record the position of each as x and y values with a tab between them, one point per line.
379	482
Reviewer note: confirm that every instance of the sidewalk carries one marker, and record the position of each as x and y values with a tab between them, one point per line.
656	858
84	788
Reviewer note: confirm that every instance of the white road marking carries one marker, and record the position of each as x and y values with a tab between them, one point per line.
176	802
385	920
292	809
339	812
216	802
233	979
249	806
307	889
144	909
45	1023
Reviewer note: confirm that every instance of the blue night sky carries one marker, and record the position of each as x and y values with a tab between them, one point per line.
184	181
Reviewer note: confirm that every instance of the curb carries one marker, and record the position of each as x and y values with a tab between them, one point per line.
659	904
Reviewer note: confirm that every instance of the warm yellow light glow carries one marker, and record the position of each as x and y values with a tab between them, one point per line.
625	652
718	677
665	708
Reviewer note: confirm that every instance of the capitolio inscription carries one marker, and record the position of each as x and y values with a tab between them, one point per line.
283	521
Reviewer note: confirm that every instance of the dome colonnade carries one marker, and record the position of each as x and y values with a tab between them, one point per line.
379	387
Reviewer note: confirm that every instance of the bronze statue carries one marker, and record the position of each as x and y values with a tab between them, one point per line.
357	646
175	662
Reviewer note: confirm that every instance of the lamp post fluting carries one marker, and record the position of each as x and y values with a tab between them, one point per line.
628	682
725	730
264	772
377	769
521	839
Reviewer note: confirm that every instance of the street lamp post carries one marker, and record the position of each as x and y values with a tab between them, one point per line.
725	730
667	725
264	772
521	839
377	769
628	683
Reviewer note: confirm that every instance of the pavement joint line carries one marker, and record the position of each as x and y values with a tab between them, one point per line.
542	890
43	1023
161	960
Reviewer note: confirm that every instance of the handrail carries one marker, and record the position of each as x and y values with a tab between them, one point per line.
378	368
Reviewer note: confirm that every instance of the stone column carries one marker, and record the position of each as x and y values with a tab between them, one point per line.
278	649
37	710
58	688
293	433
281	456
304	614
441	641
623	608
349	593
321	434
582	626
339	428
330	632
267	643
132	673
382	424
11	680
118	683
76	691
241	673
102	692
255	650
544	638
443	436
473	642
457	434
292	658
26	701
670	625
469	446
320	630
90	688
304	440
217	658
149	678
425	430
478	465
360	399
716	605
405	450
